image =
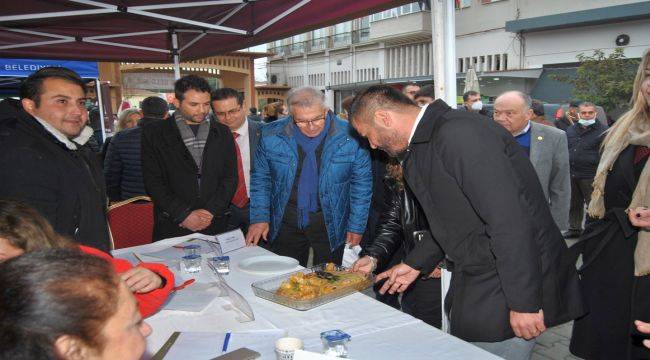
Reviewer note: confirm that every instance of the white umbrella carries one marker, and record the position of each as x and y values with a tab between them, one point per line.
471	81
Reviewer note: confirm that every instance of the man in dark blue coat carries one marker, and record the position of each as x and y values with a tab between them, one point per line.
123	165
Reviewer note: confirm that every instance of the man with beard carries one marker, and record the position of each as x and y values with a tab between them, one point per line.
512	272
189	165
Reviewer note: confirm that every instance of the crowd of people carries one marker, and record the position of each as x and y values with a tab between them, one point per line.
483	193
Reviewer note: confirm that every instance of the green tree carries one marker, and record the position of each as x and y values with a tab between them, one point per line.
604	80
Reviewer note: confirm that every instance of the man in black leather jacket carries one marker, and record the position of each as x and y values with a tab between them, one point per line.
400	226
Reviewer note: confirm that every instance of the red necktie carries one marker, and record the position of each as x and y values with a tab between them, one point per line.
240	199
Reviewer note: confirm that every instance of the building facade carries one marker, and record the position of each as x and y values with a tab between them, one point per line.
512	44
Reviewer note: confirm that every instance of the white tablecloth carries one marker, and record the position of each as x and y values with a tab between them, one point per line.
377	330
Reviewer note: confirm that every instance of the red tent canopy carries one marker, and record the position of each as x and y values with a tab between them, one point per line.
145	30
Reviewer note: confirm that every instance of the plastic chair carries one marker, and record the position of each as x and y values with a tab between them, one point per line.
131	222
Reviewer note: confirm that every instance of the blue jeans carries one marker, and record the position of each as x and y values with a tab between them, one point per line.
511	349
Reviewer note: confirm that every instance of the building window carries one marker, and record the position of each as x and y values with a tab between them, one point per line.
318	39
342	34
398	11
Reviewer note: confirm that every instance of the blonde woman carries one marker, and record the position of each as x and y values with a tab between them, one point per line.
128	119
616	246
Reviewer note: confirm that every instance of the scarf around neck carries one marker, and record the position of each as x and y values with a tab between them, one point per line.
308	182
194	143
638	134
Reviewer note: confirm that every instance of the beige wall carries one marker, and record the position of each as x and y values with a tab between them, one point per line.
239	82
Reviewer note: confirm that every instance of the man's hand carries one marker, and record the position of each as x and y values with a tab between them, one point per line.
643	327
399	278
639	217
365	265
197	220
141	280
527	325
256	232
436	274
353	239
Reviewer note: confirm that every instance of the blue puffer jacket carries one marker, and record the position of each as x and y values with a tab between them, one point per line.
345	179
122	165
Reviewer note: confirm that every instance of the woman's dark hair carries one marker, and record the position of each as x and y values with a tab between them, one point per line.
50	293
227	93
26	229
32	87
190	82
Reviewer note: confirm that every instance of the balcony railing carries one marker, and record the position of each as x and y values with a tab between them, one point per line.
322	43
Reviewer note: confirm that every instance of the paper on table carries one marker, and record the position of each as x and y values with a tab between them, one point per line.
308	355
231	240
176	252
350	255
193	298
206	345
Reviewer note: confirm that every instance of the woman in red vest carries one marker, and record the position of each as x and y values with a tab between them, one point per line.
22	230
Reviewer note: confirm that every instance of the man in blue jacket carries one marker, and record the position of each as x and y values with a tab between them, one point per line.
311	185
123	165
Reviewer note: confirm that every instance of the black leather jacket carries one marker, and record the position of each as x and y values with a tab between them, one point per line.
402	224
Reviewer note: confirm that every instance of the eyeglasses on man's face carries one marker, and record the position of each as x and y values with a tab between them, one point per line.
231	112
316	122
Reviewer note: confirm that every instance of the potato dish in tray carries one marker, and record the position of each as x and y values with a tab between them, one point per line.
311	287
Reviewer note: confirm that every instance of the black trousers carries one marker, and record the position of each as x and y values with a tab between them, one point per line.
239	218
295	242
422	300
580	196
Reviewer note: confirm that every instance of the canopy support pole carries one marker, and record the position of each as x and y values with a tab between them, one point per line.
443	33
177	57
100	104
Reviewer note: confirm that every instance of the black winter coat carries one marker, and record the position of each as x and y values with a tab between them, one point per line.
614	297
65	186
171	180
402	225
584	149
487	212
123	165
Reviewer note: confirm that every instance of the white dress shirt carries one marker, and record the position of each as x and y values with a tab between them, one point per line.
243	141
417	121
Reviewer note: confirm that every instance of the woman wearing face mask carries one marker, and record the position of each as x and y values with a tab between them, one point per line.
63	304
616	245
23	230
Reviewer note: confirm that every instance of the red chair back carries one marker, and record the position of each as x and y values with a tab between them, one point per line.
131	222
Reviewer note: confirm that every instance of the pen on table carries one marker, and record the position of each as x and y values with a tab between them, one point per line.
138	257
226	340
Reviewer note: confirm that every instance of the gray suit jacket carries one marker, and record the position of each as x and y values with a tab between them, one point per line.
549	154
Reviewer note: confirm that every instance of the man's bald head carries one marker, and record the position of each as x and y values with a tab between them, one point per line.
512	110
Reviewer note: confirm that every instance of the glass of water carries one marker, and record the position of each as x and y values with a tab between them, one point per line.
191	263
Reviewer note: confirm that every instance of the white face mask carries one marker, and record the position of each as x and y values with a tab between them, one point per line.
585	122
477	106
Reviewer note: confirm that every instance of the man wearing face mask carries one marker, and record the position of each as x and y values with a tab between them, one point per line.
472	103
584	138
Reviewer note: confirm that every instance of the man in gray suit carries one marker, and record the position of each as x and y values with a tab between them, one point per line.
227	105
546	147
